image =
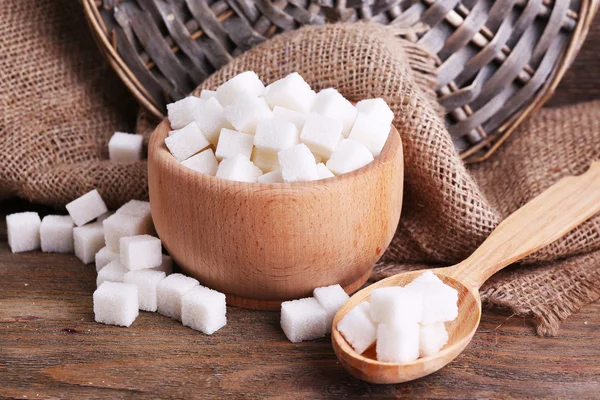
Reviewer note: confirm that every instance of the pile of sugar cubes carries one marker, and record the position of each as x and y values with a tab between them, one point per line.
133	273
284	132
404	323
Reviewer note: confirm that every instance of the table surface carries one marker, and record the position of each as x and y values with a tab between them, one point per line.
50	346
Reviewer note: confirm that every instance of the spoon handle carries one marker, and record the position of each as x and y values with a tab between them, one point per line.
546	218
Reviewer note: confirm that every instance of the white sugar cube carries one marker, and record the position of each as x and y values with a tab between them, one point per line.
104	216
440	301
56	234
324	172
87	241
104	257
357	327
265	160
331	103
125	147
432	338
303	319
186	141
23	231
291	92
116	304
232	143
139	252
271	177
331	298
321	134
166	265
297	164
210	118
247	82
135	207
170	292
146	281
273	135
238	168
112	272
86	208
397	344
285	114
396	305
181	113
246	111
204	162
206	94
371	132
348	156
122	224
204	310
376	108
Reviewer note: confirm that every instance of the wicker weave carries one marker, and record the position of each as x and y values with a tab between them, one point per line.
498	60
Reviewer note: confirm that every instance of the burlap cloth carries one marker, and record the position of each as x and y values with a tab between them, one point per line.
61	103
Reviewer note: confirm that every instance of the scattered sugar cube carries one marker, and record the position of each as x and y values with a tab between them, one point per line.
87	241
357	327
440	301
291	92
204	310
376	108
246	111
321	134
181	113
371	132
238	168
56	233
271	177
86	208
146	281
210	118
297	164
246	82
135	207
332	104
206	94
232	143
432	338
273	135
104	216
125	147
170	292
139	252
285	114
23	231
204	162
397	344
396	305
348	156
303	319
166	265
116	304
112	272
104	257
331	298
324	172
186	141
122	224
265	160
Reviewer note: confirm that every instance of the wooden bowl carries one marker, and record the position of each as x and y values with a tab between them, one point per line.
262	244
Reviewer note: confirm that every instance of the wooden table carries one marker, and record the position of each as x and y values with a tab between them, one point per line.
50	346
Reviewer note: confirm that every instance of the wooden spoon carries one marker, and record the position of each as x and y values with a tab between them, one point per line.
546	218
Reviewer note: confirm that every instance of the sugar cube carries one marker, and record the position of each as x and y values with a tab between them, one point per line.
122	224
376	108
186	141
271	177
86	208
104	257
116	304
331	298
181	113
125	147
265	160
23	231
324	172
348	156
331	103
291	92
135	207
232	143
396	305
210	118
206	94
56	233
204	162
297	164
166	265
204	310
247	82
140	251
440	301
238	168
321	134
87	241
303	319
104	216
146	281
112	272
246	111
170	292
432	338
397	343
273	135
285	114
371	132
357	327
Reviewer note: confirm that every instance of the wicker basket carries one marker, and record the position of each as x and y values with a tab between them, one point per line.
499	60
